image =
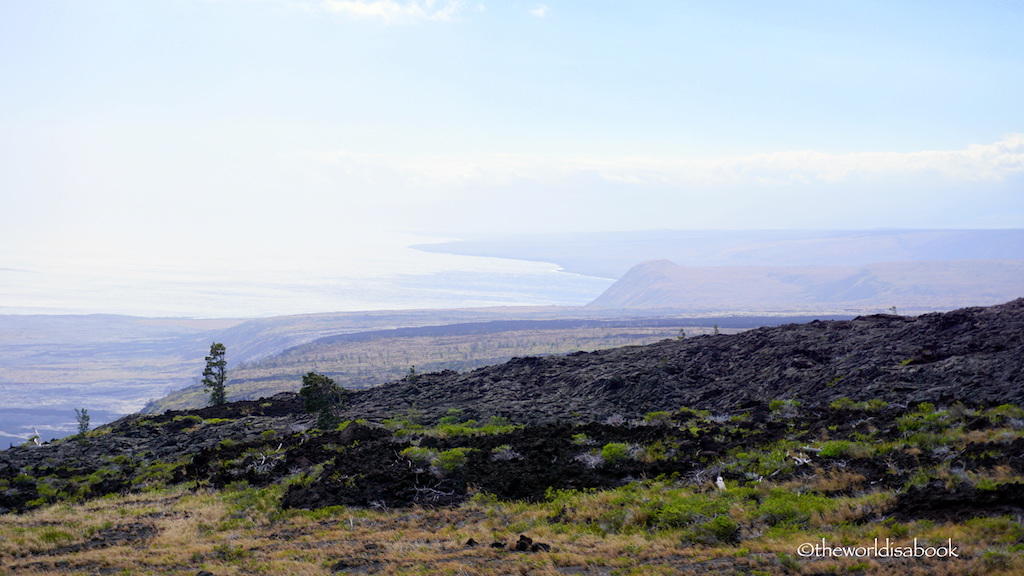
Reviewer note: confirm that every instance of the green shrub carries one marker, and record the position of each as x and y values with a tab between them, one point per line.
876	404
453	459
505	452
785	508
469	428
321	395
155	474
54	535
187	418
1004	411
930	441
658	417
984	483
769	460
656	452
453	416
693	413
784	408
722	528
45	490
788	561
243	500
836	449
615	452
216	420
844	403
229	553
1001	529
686	509
419	453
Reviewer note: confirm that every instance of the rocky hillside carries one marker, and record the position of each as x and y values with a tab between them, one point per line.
612	254
973	355
909	429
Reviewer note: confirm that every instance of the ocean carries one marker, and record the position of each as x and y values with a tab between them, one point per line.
382	273
385	274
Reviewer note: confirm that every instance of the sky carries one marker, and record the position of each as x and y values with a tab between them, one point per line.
308	133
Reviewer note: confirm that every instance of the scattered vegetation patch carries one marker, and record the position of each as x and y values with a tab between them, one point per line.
845	404
453	424
647	490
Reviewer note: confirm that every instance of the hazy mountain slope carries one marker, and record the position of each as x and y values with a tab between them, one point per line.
974	355
910	286
611	254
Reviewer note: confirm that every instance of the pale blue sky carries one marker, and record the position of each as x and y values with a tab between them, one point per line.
277	127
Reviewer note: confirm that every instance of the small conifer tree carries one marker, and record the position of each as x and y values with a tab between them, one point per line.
215	374
82	415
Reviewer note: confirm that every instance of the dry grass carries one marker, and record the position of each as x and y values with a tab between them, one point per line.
669	525
237	532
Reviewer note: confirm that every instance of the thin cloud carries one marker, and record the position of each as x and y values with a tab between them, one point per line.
977	163
540	11
393	10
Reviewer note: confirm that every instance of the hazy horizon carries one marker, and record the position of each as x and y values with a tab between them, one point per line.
406	272
241	157
393	277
